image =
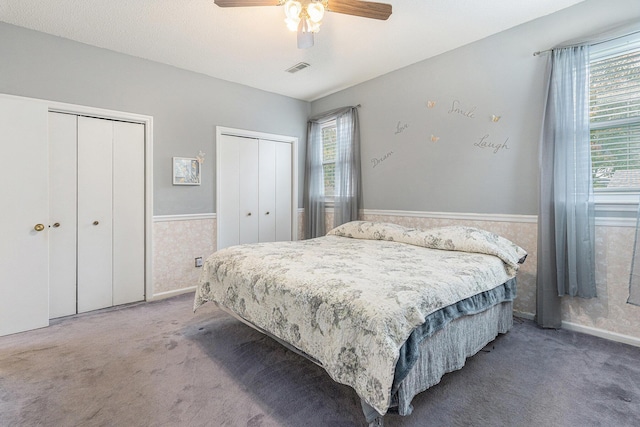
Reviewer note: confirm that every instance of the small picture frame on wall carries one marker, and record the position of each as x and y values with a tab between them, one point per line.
186	171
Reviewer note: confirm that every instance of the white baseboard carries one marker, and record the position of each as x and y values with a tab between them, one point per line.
601	333
172	293
612	336
184	217
523	315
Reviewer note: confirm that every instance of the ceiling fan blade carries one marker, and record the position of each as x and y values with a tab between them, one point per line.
246	3
365	9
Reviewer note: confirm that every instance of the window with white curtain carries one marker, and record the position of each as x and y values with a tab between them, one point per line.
329	135
332	169
614	119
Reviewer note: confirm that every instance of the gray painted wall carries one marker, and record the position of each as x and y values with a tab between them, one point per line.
452	157
186	106
448	158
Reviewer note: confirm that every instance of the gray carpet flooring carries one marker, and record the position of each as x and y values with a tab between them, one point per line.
159	364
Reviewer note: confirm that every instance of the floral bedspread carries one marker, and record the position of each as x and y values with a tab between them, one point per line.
350	299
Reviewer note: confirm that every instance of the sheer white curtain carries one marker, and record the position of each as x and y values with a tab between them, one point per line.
346	199
566	221
634	279
314	197
347	193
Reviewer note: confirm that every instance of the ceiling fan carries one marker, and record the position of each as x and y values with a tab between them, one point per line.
305	16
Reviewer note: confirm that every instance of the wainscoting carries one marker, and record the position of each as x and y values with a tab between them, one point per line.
609	311
178	240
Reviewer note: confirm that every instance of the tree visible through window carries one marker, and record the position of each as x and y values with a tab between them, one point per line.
614	112
329	158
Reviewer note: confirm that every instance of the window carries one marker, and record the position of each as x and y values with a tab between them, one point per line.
614	111
333	169
329	136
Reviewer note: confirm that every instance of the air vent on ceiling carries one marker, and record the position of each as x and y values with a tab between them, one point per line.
299	66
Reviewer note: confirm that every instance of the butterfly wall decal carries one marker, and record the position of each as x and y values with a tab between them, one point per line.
200	157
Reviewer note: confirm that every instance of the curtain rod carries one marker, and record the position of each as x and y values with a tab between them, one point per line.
327	114
540	52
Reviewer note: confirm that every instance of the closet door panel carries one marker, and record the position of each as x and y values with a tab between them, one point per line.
228	189
267	197
254	189
128	212
283	186
95	221
24	281
62	214
249	190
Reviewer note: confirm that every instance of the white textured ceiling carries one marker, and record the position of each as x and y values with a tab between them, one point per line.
252	46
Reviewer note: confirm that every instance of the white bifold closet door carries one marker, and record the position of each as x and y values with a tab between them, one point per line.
23	234
249	190
255	184
63	183
275	191
267	193
283	196
96	213
128	213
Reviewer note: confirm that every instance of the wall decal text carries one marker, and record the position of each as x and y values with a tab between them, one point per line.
376	161
400	127
457	108
485	143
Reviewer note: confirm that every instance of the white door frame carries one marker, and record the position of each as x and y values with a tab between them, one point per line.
147	121
221	130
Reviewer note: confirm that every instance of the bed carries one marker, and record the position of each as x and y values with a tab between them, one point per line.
385	309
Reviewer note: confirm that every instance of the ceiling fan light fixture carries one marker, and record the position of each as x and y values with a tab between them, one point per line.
292	9
304	17
303	26
315	27
315	10
305	40
292	24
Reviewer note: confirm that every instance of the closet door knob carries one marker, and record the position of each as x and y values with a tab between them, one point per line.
39	227
95	223
56	225
267	213
249	214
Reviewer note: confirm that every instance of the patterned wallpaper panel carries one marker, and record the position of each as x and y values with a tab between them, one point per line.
176	244
609	311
